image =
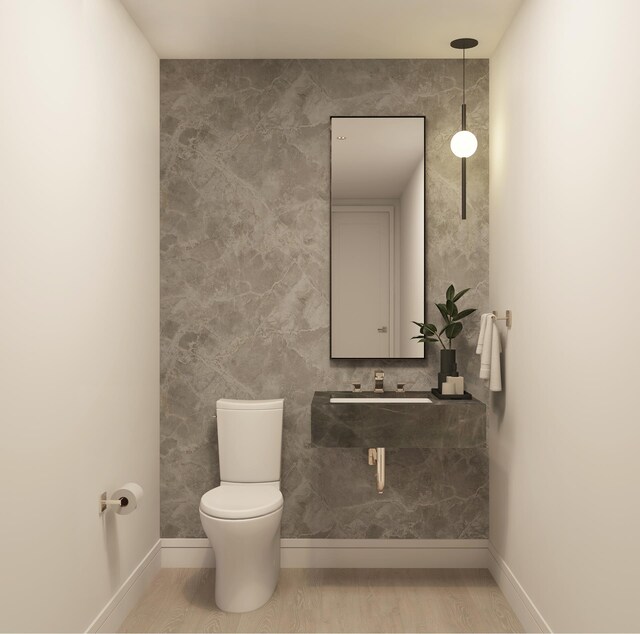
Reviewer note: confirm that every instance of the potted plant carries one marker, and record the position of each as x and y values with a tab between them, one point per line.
452	328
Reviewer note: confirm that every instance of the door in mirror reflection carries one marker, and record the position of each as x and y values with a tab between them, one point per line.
377	236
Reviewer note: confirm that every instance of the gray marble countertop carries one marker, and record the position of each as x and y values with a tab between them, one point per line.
441	423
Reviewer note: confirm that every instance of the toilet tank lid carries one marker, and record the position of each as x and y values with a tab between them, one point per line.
228	403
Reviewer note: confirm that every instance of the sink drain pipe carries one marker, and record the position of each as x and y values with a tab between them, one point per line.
377	457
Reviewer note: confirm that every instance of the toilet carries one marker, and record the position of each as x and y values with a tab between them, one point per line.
242	516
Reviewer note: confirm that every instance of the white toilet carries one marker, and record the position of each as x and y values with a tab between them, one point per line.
242	516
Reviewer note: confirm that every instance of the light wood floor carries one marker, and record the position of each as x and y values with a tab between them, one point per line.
332	600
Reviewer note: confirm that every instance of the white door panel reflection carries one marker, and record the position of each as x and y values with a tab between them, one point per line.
361	281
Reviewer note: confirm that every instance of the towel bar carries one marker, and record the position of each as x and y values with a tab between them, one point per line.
507	318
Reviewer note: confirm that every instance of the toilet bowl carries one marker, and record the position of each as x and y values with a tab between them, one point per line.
247	551
242	516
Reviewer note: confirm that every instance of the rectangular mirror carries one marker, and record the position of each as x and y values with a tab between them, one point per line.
378	214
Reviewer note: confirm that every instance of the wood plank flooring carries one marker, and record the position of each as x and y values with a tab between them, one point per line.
332	600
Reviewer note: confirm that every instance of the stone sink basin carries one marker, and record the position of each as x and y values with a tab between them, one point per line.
414	419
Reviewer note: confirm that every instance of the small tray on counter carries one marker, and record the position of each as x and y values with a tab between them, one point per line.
467	396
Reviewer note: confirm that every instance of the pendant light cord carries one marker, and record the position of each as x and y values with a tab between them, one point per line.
464	64
464	90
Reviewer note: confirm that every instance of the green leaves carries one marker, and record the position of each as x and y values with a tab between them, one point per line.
428	329
451	316
464	313
453	330
451	291
460	294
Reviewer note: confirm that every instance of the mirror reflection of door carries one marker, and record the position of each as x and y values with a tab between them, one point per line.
361	271
377	236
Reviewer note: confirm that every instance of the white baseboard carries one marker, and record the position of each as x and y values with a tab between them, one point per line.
518	599
345	553
193	552
129	593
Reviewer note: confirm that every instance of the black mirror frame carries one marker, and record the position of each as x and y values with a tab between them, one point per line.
424	145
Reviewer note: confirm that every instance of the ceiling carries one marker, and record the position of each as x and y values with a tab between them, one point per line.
378	156
319	29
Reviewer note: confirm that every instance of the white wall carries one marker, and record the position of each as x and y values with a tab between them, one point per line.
565	257
79	287
411	258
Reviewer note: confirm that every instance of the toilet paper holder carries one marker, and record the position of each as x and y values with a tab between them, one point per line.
105	504
123	501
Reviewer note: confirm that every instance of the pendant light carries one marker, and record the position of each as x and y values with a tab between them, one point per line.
464	143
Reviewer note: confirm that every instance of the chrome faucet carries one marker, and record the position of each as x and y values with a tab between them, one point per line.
378	381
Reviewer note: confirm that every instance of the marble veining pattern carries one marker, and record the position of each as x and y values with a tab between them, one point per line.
245	283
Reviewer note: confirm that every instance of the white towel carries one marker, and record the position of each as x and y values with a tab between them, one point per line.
483	330
495	382
490	350
485	349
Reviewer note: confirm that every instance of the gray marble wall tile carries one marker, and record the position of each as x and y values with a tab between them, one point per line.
245	282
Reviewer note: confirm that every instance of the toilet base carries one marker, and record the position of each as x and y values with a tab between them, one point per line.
247	554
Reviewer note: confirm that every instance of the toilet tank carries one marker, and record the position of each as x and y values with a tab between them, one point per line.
249	440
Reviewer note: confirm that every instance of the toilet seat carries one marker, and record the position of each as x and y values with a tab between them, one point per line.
237	502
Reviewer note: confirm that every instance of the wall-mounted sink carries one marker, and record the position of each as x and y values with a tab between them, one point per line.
396	420
396	400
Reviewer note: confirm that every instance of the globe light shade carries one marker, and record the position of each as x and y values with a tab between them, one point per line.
464	144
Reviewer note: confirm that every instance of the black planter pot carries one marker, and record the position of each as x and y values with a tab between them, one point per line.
448	366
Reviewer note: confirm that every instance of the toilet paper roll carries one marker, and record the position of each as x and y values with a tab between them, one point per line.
129	494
